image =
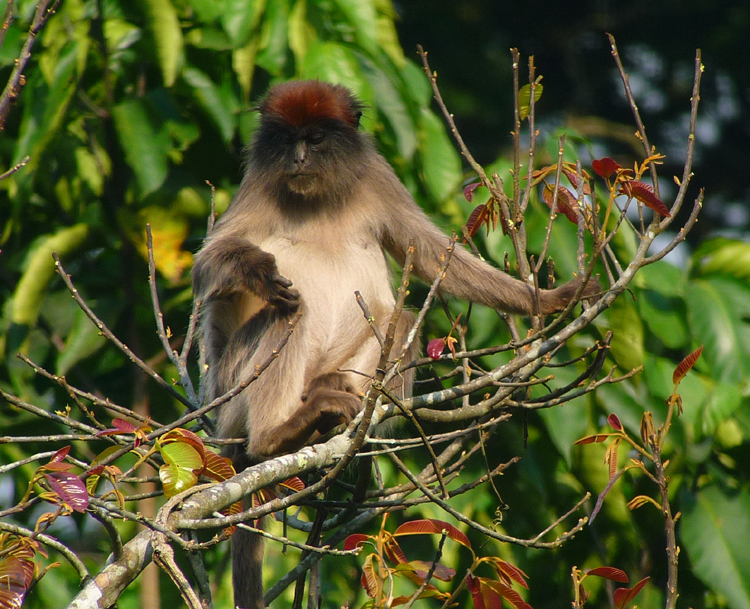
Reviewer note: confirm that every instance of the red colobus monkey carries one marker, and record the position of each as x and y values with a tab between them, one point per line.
316	212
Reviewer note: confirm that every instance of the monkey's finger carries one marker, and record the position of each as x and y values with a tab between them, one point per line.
282	281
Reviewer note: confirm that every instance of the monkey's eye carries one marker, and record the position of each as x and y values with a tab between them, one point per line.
316	138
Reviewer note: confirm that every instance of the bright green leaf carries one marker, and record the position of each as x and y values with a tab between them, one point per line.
627	343
724	256
722	401
212	100
338	64
715	531
145	147
524	99
240	19
713	325
441	165
362	18
176	479
272	53
165	28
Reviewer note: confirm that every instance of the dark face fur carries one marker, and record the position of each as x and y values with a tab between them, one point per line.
307	142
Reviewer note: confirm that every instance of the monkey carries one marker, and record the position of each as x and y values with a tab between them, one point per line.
316	212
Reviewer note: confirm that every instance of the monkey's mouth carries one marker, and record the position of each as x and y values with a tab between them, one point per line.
302	183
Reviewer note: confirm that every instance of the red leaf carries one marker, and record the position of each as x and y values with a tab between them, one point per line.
645	194
479	216
16	575
616	575
394	552
605	166
686	365
508	593
355	541
507	571
217	467
623	596
123	425
573	177
469	190
293	484
600	437
60	455
431	526
473	586
614	422
566	201
70	488
435	348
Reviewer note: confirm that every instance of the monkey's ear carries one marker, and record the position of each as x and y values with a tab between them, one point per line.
357	117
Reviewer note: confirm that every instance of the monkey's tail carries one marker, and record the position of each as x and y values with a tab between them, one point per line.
247	568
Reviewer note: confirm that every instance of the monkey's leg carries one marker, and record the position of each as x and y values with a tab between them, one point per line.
330	401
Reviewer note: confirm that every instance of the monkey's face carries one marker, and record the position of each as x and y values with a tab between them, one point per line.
309	161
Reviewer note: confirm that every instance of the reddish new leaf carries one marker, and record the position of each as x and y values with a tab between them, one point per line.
645	194
597	438
217	467
508	593
355	541
566	201
431	526
508	572
686	365
616	575
60	455
394	552
623	596
614	422
435	348
293	484
478	217
574	178
469	190
70	488
474	587
16	575
605	166
123	425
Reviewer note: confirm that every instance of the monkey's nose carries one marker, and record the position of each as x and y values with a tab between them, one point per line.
300	155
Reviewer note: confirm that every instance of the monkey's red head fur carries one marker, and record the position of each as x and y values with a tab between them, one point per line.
306	102
308	150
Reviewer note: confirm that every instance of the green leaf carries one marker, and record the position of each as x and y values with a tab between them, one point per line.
165	28
176	479
713	325
272	53
715	532
724	256
627	343
338	64
441	165
240	19
84	340
145	147
301	33
39	270
722	401
392	105
362	17
388	35
213	101
524	99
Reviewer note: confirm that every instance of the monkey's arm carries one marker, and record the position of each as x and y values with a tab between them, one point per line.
467	277
229	265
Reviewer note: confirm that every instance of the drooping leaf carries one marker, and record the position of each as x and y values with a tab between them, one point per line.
240	19
469	193
217	467
508	572
70	488
685	365
16	575
611	573
475	589
508	593
478	217
393	551
212	100
645	194
567	203
293	484
600	437
362	17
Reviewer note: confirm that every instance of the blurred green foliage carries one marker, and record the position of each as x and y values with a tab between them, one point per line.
130	107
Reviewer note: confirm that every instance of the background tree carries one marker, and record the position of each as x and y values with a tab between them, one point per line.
128	109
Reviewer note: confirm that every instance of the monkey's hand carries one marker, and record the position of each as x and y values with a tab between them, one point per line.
279	292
